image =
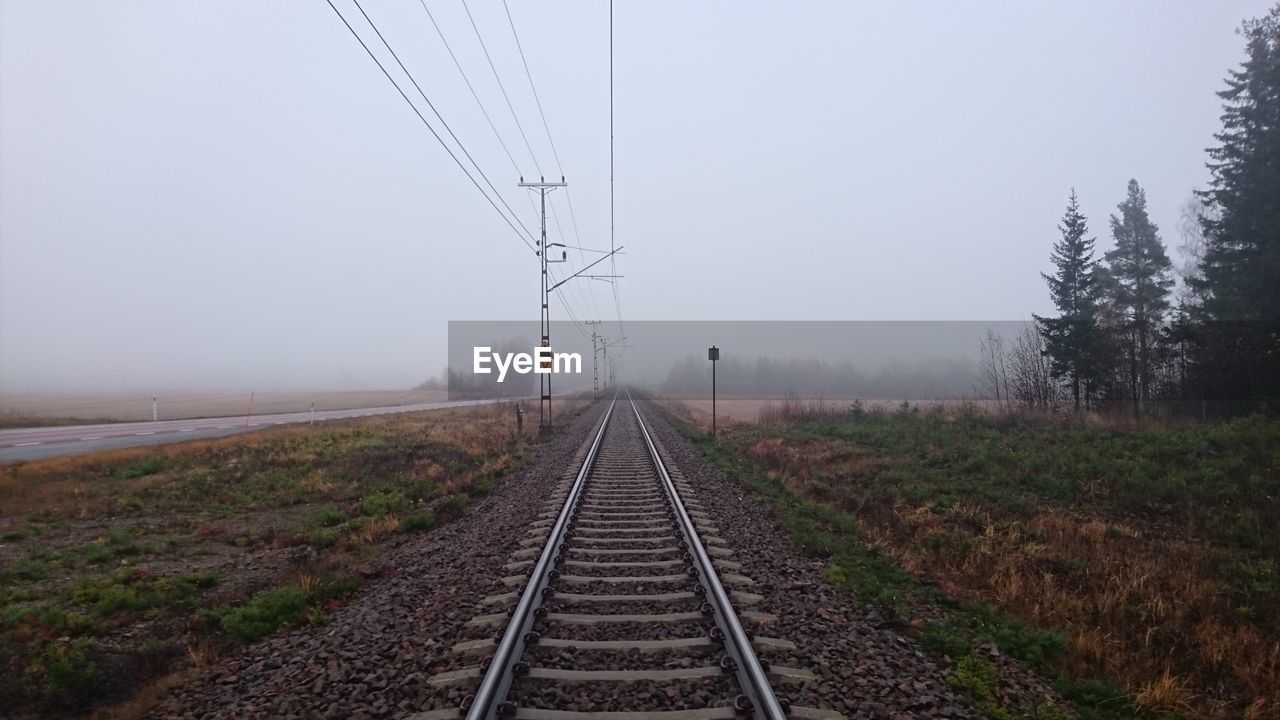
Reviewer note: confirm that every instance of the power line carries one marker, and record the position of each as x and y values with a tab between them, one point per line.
503	88
467	80
428	125
414	80
476	96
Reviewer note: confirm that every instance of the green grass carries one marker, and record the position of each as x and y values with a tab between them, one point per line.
135	591
279	607
120	544
261	615
1220	478
1096	699
383	503
45	636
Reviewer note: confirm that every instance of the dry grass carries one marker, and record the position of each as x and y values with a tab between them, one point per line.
232	511
90	485
1152	584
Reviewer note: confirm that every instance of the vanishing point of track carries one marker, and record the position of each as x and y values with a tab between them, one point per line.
621	604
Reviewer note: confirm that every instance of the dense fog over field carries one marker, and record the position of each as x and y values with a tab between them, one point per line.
899	360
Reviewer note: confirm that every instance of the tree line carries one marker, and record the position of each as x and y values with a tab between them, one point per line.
1122	337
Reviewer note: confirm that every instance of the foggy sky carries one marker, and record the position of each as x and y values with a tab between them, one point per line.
230	195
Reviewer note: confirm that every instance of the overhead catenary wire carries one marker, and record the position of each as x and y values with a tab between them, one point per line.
502	87
470	87
431	105
422	118
476	96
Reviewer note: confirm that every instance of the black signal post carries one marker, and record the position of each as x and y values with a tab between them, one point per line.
713	354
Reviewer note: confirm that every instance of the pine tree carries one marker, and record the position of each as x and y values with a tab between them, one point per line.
1070	339
1240	271
1142	280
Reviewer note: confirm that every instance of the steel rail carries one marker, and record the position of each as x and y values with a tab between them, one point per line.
750	673
491	695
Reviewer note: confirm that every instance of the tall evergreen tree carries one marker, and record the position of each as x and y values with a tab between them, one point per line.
1140	271
1071	338
1240	271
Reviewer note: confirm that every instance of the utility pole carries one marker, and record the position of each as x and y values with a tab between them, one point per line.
595	370
542	187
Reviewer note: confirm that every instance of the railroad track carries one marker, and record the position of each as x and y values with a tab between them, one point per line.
624	603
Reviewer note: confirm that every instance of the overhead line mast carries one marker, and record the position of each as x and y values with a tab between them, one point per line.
544	379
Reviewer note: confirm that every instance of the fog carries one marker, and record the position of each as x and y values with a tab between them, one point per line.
230	195
909	360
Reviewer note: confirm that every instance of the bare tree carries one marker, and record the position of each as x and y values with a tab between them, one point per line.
993	372
1030	370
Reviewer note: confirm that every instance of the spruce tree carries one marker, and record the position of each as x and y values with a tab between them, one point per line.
1141	271
1070	338
1240	271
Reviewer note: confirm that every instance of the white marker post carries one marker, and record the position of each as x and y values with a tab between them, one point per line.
154	413
313	413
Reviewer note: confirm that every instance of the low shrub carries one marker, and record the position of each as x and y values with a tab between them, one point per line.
69	673
260	617
383	503
416	521
326	517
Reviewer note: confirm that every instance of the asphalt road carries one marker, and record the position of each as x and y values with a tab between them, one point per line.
43	442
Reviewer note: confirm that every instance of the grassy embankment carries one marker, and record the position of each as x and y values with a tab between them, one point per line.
1134	566
122	571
